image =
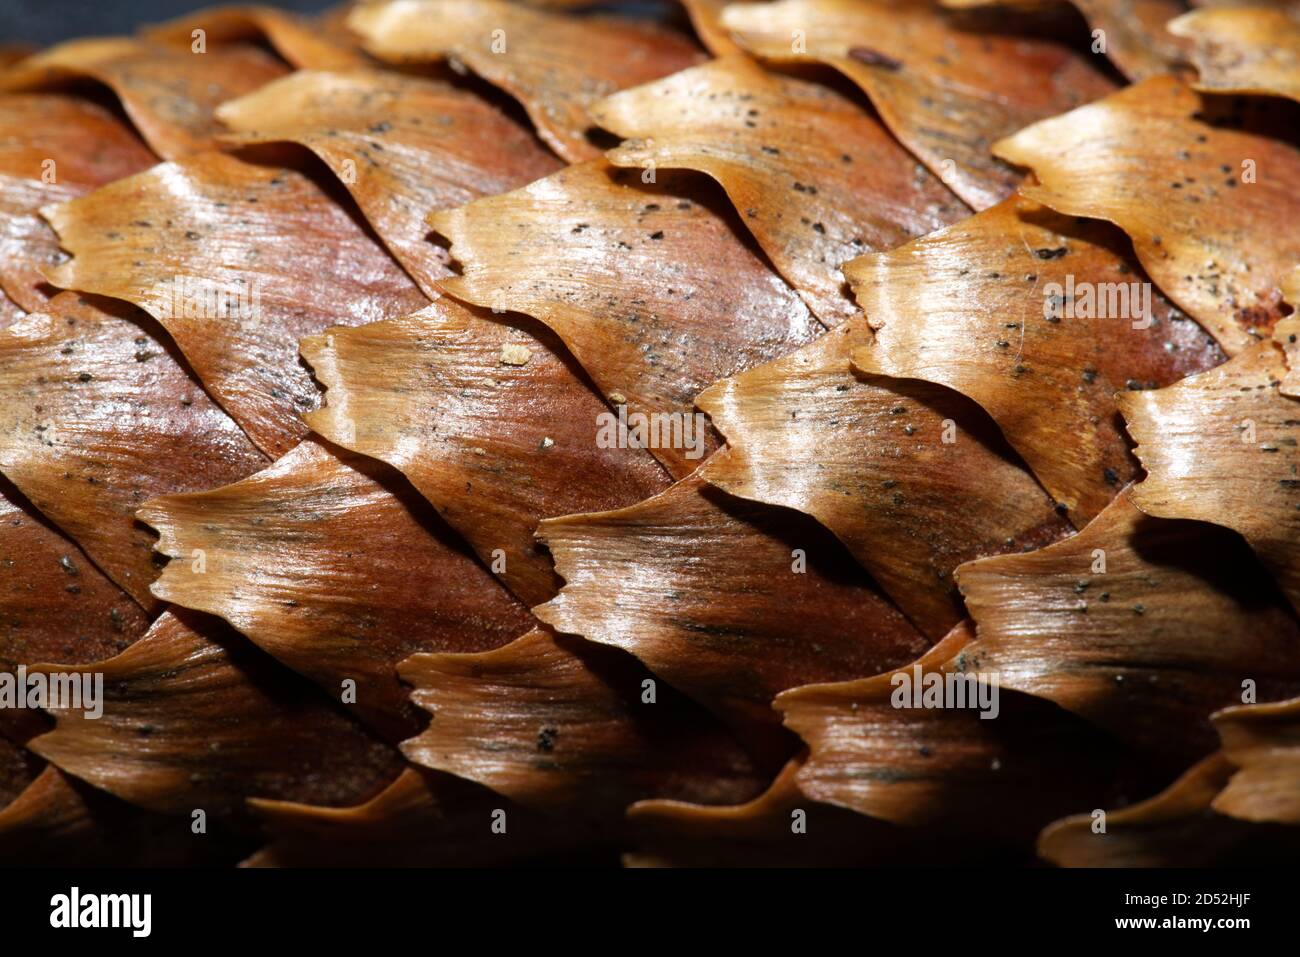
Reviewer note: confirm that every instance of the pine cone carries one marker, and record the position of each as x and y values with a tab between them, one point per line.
799	433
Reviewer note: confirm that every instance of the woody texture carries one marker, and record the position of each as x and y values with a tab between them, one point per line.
788	433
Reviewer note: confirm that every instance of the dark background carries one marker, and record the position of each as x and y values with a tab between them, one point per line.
42	22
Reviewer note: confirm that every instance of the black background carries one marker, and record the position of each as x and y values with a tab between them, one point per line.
898	911
42	22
